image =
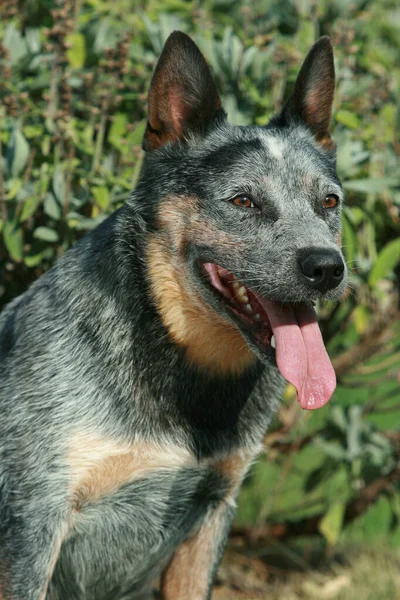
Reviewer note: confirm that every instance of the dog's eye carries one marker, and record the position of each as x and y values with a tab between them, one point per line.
331	201
244	201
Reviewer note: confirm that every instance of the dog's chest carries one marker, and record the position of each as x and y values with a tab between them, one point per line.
132	505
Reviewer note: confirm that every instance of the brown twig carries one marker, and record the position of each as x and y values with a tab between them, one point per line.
68	178
4	213
101	133
367	347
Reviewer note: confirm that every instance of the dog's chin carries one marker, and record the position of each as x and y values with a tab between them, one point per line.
230	298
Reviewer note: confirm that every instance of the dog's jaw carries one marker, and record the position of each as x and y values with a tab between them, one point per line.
300	352
243	304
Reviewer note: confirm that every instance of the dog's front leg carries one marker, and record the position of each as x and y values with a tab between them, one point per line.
190	574
29	547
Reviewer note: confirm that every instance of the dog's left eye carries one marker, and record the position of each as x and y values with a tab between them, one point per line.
244	201
331	201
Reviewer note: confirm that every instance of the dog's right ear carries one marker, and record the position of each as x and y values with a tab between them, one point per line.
312	98
183	97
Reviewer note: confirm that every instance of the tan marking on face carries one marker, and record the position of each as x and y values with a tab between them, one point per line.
99	466
211	341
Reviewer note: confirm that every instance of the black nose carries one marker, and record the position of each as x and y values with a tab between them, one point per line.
322	269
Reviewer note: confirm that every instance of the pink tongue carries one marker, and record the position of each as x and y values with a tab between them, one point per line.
300	352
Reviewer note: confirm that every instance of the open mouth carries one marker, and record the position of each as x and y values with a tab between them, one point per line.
244	304
292	329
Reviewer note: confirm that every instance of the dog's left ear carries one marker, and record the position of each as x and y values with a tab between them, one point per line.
183	97
312	99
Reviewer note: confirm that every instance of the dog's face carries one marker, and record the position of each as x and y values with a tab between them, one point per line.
250	216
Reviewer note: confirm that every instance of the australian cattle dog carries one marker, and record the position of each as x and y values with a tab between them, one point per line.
139	375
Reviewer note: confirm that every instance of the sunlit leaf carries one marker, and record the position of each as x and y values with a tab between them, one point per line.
102	196
350	119
59	187
371	186
38	252
117	129
46	234
13	239
76	52
17	152
52	207
331	524
388	258
29	207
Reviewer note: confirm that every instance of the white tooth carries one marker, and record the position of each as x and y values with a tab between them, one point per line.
235	284
248	308
257	317
243	299
241	295
273	341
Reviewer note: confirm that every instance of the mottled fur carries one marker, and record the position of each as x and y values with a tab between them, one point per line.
124	437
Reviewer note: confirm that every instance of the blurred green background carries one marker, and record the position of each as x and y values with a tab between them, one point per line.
74	76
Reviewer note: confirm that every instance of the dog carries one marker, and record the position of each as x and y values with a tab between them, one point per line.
139	375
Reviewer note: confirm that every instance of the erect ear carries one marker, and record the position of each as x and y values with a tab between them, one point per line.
312	98
183	97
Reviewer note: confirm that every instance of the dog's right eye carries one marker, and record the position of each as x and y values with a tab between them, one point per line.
244	201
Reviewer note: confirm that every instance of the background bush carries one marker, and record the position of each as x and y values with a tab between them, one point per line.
73	85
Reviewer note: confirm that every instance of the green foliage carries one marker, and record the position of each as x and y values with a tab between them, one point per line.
73	84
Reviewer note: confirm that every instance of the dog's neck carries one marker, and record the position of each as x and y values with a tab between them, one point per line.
209	341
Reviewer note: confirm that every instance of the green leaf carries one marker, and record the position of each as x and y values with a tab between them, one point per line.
17	152
13	185
331	448
371	185
52	207
338	418
347	118
29	207
388	258
102	196
87	138
361	318
331	524
33	131
45	145
13	240
354	432
349	240
317	476
15	43
138	133
59	187
46	234
76	53
37	253
117	129
86	224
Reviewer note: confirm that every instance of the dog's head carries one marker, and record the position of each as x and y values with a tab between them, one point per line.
245	221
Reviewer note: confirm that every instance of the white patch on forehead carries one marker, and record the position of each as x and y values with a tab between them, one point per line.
276	147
